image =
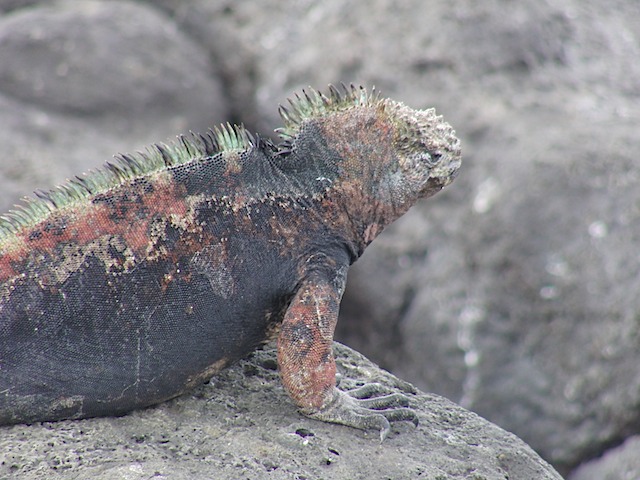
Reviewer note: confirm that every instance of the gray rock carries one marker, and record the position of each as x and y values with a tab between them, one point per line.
80	81
242	425
57	56
619	463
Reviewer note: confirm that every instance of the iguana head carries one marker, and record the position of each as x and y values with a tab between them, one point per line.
428	151
394	154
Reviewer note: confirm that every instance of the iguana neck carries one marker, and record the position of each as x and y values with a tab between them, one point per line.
345	160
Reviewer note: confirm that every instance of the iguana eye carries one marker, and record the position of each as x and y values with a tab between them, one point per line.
432	159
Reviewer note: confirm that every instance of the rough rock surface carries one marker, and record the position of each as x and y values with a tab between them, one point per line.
513	293
242	425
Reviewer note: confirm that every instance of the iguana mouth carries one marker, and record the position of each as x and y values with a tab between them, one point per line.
447	168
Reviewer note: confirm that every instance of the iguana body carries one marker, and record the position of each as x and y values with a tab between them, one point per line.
133	284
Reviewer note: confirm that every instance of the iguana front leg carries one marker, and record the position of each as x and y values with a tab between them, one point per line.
308	369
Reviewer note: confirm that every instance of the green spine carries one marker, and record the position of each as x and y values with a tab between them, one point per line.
158	157
125	167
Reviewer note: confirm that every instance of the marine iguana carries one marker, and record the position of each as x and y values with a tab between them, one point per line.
130	285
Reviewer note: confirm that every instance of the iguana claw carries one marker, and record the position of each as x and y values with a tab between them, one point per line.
356	408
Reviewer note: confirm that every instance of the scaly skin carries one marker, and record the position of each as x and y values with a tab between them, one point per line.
130	285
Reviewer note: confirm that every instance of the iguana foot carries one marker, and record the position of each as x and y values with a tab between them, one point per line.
359	409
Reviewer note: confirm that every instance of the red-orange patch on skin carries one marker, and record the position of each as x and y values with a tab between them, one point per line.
164	201
6	268
81	227
352	140
355	143
305	344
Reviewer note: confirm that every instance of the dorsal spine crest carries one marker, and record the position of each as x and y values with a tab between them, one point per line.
125	167
314	104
